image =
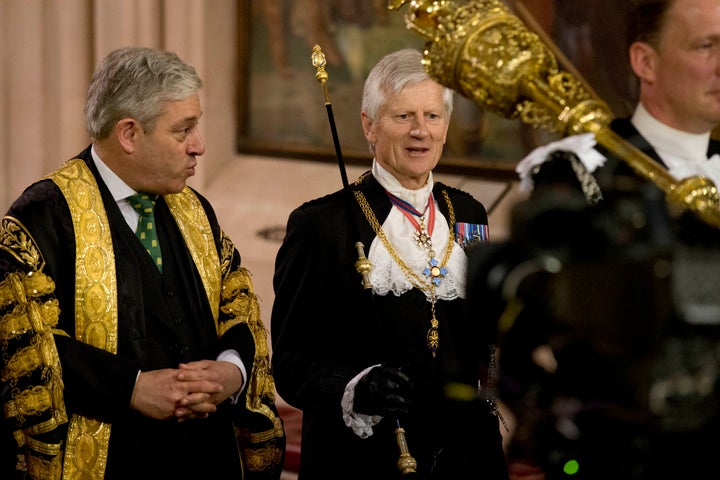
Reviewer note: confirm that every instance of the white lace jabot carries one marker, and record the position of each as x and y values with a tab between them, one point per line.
386	276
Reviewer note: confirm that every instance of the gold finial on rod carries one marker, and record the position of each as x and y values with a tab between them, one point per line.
319	61
362	265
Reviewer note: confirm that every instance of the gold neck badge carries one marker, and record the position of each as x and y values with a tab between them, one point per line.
432	273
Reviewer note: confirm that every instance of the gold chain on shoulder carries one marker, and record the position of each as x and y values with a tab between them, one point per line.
427	285
415	279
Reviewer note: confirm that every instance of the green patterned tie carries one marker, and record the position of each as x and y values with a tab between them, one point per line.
144	204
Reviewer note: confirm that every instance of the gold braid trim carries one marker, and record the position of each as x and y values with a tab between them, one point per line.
230	293
46	426
237	300
241	304
95	305
32	401
45	448
227	253
195	228
29	316
32	317
19	287
18	322
260	451
266	455
38	467
22	363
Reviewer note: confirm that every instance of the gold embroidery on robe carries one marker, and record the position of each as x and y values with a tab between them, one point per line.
241	305
263	443
96	323
18	242
95	306
195	227
238	304
39	408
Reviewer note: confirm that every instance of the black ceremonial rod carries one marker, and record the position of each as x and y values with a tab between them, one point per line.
319	62
363	265
406	463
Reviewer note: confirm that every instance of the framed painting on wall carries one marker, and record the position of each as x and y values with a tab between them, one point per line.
282	109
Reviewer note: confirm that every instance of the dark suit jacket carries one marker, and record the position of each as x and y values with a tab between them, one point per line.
326	329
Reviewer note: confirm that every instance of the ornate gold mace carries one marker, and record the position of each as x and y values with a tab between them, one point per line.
484	52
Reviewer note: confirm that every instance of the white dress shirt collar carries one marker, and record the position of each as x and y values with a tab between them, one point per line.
669	142
417	198
118	188
685	154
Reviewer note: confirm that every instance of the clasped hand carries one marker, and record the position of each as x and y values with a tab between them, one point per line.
191	391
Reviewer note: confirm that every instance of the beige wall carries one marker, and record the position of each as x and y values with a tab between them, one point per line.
49	48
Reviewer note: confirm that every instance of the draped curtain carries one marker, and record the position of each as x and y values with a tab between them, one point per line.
49	49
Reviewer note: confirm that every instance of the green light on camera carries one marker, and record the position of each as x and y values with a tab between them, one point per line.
571	467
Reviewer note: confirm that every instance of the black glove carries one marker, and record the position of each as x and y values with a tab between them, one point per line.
384	391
